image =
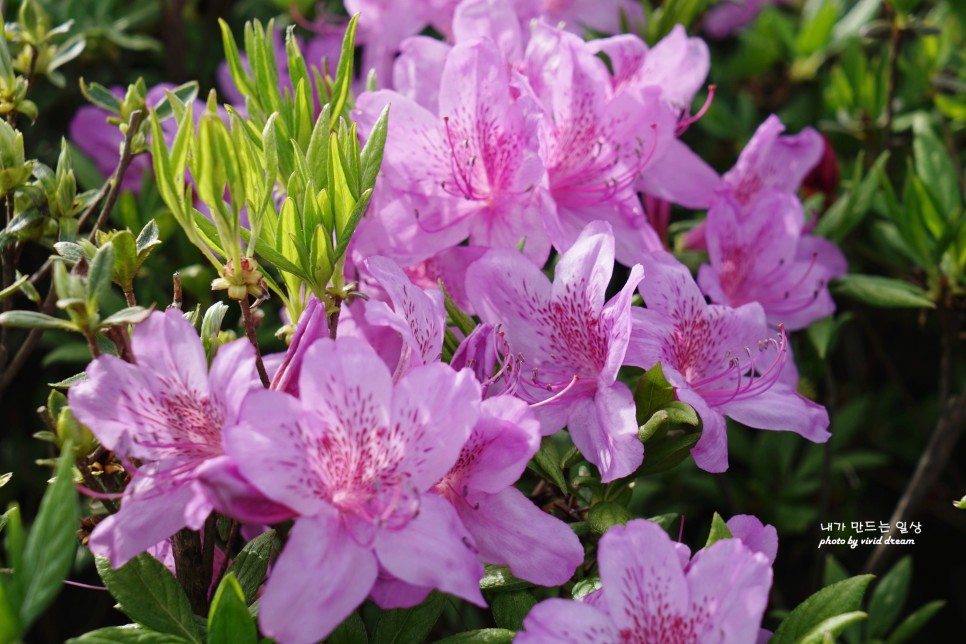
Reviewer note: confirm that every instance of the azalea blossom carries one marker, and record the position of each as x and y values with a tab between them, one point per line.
722	361
760	254
168	412
570	341
652	590
507	527
473	167
356	458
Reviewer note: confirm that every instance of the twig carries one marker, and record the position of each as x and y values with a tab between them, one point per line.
176	291
250	332
188	560
133	125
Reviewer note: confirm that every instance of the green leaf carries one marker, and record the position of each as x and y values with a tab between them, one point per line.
100	274
409	625
652	393
682	413
585	586
883	292
668	453
837	599
719	530
911	625
129	315
101	96
147	239
34	320
50	547
130	634
500	578
481	636
150	595
229	621
373	150
251	564
343	75
186	93
606	514
888	598
936	170
9	624
350	631
510	609
848	212
547	463
829	628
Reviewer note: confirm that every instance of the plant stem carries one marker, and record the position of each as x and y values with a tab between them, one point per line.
893	81
232	535
250	332
188	563
176	291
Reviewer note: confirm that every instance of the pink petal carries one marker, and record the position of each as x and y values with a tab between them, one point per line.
433	412
560	620
781	408
755	535
167	346
617	316
417	71
148	514
680	176
231	494
321	576
273	446
233	376
312	325
504	439
642	577
583	272
510	530
729	586
433	550
711	451
679	65
604	429
390	593
494	19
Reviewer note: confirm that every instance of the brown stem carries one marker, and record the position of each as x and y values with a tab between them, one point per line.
133	125
334	318
122	341
250	332
129	297
92	344
176	291
208	546
188	563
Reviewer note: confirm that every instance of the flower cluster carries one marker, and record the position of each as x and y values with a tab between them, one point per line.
393	437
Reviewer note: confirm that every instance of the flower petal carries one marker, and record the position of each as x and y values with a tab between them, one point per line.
433	550
569	622
781	408
510	530
231	494
503	441
604	429
757	536
232	376
711	452
321	576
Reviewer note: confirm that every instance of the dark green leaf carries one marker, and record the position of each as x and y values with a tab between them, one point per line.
34	320
936	170
829	628
350	631
186	93
147	239
888	598
882	292
547	463
251	564
50	546
100	274
837	599
500	578
481	636
409	625
652	393
229	621
101	97
372	152
668	453
150	595
719	530
606	514
131	634
510	609
911	625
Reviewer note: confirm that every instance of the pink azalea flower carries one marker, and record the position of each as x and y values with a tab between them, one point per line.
475	163
573	343
507	527
760	254
313	325
168	412
595	140
653	591
603	16
722	361
417	315
357	458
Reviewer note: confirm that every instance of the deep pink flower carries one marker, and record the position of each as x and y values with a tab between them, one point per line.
759	254
313	325
473	168
653	591
417	315
570	341
722	361
168	412
356	458
595	140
